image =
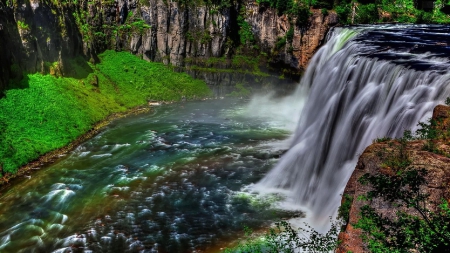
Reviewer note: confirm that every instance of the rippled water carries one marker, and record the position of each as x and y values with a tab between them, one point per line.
166	181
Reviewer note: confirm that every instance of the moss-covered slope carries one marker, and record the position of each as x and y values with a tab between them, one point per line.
49	112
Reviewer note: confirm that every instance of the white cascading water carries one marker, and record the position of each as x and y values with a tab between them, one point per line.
289	108
355	97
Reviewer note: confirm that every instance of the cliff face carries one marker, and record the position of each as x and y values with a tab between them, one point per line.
34	34
178	32
373	161
43	35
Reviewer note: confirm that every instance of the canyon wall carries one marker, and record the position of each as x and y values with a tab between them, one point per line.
46	35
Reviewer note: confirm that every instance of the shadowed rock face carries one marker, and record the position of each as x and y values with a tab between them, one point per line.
34	34
436	186
37	32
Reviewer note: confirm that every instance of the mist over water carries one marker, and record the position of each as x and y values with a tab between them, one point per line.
288	109
365	82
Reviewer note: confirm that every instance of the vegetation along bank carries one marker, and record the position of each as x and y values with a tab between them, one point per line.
49	112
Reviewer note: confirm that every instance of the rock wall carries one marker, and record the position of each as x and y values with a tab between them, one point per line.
268	26
181	32
371	161
34	34
42	35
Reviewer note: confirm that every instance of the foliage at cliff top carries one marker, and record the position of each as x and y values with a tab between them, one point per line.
369	11
51	112
402	11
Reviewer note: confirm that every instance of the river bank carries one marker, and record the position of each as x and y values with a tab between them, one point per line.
50	157
49	112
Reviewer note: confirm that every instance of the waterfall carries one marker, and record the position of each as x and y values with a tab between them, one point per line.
365	82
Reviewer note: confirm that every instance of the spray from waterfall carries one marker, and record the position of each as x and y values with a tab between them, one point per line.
288	109
360	89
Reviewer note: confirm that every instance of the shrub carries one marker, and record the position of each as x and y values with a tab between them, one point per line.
245	31
367	14
281	42
343	12
284	238
429	132
290	34
301	13
344	209
423	17
283	6
426	231
22	25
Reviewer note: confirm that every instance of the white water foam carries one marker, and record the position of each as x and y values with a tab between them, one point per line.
102	155
352	100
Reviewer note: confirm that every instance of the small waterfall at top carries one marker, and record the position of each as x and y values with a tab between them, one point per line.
365	82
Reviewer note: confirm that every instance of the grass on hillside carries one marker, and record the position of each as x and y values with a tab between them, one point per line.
51	112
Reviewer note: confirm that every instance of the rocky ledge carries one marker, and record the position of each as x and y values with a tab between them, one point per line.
374	162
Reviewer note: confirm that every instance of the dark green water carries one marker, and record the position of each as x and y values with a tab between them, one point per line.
167	181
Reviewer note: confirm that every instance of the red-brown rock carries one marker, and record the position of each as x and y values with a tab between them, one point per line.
371	161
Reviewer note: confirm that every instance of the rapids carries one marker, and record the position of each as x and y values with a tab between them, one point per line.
165	181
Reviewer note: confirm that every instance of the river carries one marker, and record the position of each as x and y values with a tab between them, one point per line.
186	176
171	180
